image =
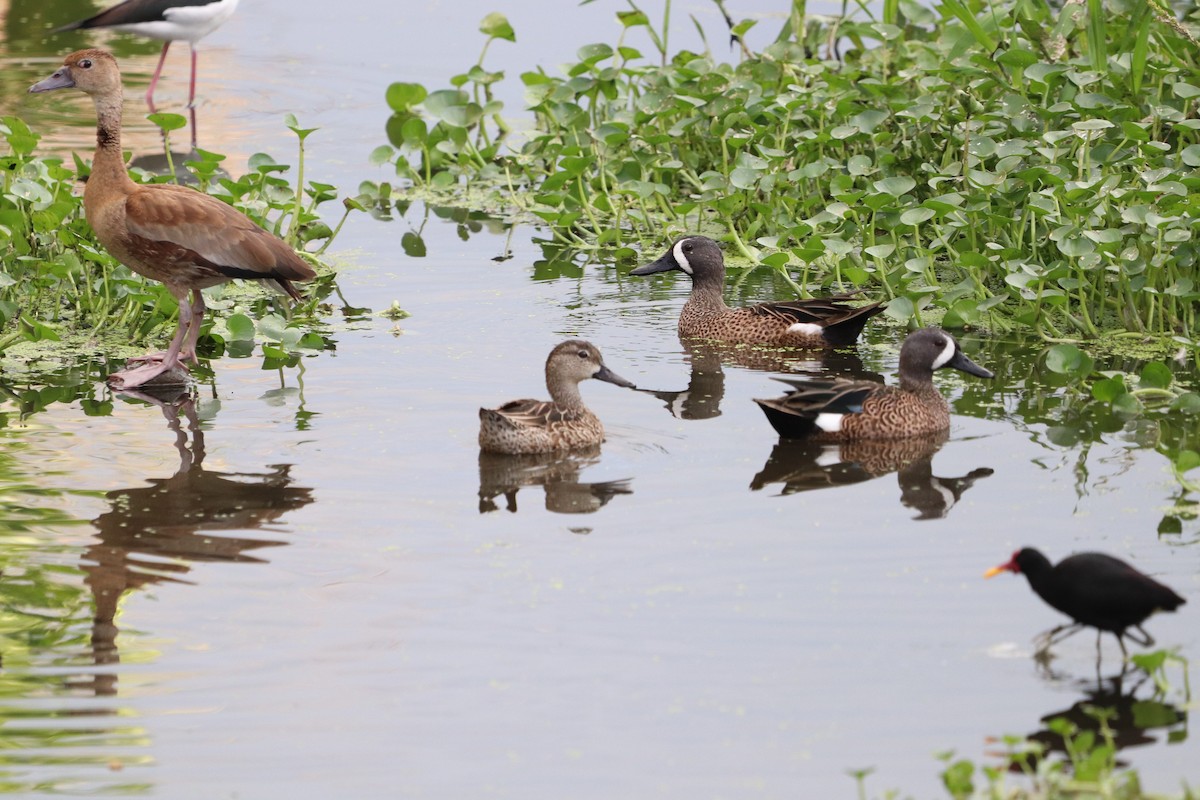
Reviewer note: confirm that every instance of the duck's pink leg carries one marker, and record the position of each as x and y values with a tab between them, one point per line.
130	378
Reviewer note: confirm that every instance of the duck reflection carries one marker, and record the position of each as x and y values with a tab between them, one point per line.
151	534
558	473
706	382
1133	720
802	465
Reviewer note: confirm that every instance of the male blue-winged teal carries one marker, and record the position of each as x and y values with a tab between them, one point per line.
842	410
563	423
187	239
818	322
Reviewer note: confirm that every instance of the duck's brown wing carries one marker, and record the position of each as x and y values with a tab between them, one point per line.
535	414
191	227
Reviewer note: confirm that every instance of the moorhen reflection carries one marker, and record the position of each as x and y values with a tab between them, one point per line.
1130	719
152	533
503	475
707	359
802	465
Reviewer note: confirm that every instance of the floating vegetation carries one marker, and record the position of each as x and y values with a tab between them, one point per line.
1012	165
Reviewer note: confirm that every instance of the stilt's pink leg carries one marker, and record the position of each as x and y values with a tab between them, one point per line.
154	81
192	94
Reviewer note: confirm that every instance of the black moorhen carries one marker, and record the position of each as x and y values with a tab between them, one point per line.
1094	590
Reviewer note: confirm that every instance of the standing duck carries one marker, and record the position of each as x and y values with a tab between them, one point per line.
563	423
844	410
186	239
1095	590
167	21
819	322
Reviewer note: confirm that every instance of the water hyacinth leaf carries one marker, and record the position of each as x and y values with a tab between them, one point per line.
34	331
915	216
1187	403
901	309
744	177
895	186
293	125
1127	405
1155	375
453	107
631	18
413	245
240	327
496	26
1187	460
403	96
1108	389
1067	359
167	122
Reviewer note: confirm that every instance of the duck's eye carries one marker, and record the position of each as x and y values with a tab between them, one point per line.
86	63
582	354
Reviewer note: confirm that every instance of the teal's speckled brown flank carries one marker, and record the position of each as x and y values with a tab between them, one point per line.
841	410
818	322
563	423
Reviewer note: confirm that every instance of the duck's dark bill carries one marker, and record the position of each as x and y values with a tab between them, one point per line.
59	80
664	264
961	362
606	374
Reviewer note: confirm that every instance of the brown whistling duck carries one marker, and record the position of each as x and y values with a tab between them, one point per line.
186	239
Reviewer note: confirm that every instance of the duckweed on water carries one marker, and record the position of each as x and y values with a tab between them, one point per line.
62	294
1017	165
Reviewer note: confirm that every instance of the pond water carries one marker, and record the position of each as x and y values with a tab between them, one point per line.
308	583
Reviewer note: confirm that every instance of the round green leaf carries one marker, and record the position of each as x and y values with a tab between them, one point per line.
1155	376
496	26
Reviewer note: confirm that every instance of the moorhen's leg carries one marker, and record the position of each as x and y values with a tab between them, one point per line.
1051	637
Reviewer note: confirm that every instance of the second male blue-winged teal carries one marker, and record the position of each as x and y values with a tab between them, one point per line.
841	410
818	322
563	423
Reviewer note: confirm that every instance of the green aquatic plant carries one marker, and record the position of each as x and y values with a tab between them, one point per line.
57	285
1083	763
1009	164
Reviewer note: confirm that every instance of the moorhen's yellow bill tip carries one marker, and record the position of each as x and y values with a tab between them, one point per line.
993	572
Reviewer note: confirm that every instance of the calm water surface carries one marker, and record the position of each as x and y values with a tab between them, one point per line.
309	584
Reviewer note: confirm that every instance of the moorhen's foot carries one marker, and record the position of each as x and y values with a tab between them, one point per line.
158	373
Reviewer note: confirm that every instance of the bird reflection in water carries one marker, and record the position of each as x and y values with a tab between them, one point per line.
151	534
1131	720
706	382
802	465
558	473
